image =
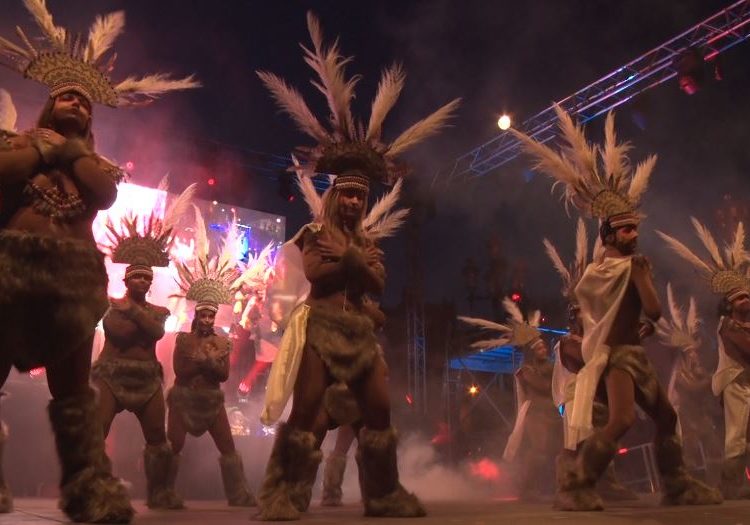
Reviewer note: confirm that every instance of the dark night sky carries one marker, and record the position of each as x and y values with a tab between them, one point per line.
497	55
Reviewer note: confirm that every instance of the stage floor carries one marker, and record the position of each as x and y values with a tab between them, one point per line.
38	511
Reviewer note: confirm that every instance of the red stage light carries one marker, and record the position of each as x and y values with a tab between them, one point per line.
211	181
622	451
409	399
515	297
129	165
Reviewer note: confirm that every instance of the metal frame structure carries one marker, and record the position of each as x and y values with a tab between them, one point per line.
716	34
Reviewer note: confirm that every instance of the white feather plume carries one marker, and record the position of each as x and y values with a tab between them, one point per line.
201	236
708	241
103	34
384	205
513	310
389	89
423	129
179	207
8	113
55	34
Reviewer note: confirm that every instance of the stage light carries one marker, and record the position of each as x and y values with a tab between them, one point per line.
691	73
504	122
515	297
473	390
129	165
211	181
622	451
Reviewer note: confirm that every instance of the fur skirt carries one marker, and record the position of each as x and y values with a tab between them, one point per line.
198	408
53	292
132	382
344	340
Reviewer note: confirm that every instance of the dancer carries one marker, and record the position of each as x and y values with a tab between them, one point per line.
201	362
330	338
537	432
127	373
725	272
53	288
690	382
613	294
569	361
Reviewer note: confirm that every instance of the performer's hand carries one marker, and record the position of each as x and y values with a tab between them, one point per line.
124	306
49	136
641	266
329	248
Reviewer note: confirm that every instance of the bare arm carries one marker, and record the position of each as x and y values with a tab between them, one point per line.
316	266
365	265
184	368
644	284
117	325
95	178
218	365
20	161
152	324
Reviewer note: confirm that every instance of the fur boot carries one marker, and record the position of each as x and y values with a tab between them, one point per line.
287	488
88	492
6	498
235	483
733	481
161	466
610	488
333	477
382	493
576	478
678	487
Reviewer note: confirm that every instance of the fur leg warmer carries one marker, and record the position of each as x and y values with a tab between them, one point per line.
576	478
382	493
290	474
333	477
161	466
235	484
88	492
678	487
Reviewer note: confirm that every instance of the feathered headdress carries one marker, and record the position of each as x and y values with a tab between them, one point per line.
517	332
210	282
599	180
681	331
63	62
345	147
724	271
571	274
145	242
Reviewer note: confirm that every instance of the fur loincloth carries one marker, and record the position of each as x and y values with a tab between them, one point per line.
132	382
53	292
345	341
198	408
633	360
